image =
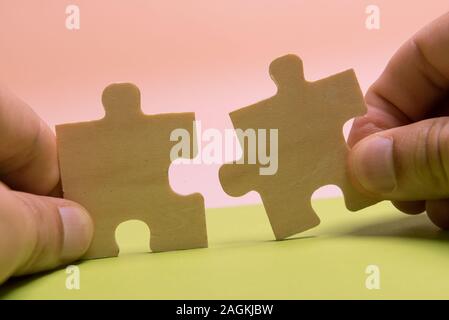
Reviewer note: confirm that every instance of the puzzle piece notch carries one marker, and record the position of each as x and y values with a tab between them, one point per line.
309	117
117	168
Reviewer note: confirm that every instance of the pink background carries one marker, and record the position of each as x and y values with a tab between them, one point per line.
206	56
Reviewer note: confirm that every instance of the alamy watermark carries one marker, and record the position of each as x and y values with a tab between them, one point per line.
72	20
73	279
260	147
372	21
372	281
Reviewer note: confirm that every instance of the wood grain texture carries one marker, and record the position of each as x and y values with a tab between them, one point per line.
117	168
309	117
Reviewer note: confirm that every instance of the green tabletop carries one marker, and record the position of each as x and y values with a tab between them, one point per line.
243	261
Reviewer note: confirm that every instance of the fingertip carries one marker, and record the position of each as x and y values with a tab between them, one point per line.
371	164
52	232
410	207
361	128
438	212
381	115
77	231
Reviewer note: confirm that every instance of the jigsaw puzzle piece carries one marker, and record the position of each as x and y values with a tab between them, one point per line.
117	167
309	118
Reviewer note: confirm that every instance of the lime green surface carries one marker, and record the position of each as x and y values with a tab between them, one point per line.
243	261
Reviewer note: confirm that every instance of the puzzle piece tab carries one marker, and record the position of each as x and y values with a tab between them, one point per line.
309	117
117	168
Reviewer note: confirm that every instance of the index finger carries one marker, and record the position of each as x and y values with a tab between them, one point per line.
28	156
415	81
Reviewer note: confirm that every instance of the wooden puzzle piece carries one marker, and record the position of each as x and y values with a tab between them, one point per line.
309	117
117	168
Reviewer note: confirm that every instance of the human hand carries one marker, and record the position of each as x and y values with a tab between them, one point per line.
37	232
401	146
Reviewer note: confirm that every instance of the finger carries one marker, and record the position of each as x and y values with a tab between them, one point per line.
408	163
28	157
414	82
410	207
39	233
438	212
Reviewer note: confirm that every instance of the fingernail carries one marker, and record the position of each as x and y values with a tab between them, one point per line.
78	231
373	164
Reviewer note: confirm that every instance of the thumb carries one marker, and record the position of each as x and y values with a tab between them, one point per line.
405	163
39	233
